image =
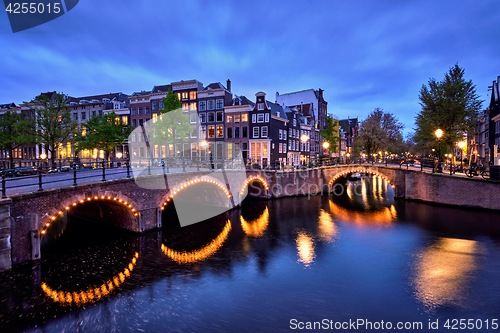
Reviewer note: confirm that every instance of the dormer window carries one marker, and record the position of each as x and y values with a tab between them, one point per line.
260	106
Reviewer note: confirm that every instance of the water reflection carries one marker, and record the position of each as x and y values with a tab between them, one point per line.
326	227
92	294
201	254
444	271
384	217
256	227
305	248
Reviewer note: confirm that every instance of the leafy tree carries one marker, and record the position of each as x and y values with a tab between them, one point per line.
451	104
15	130
331	133
380	131
54	126
172	125
104	132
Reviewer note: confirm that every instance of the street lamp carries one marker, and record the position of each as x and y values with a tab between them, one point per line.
119	154
439	133
304	139
461	145
348	157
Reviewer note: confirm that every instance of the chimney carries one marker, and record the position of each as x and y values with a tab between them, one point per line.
228	86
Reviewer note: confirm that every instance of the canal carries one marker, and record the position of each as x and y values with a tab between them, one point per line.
268	266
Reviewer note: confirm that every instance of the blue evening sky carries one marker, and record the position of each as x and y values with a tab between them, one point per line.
364	54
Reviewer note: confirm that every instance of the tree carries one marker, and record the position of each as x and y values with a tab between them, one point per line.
380	131
15	130
104	132
54	126
331	133
172	125
451	104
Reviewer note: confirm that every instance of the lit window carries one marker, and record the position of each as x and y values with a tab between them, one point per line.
220	131
184	95
192	95
255	132
229	119
244	117
179	96
193	106
185	106
280	149
211	131
124	120
236	118
155	117
264	148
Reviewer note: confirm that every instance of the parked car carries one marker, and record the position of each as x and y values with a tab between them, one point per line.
25	171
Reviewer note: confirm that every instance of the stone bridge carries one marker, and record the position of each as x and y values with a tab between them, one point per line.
138	204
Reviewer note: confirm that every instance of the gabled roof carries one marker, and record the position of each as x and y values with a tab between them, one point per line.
213	86
140	93
163	88
275	108
242	101
8	106
111	96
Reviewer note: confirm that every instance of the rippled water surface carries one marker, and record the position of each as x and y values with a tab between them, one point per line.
362	255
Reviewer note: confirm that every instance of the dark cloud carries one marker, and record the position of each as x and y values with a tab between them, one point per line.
364	54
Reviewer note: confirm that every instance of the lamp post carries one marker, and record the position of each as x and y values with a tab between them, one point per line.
326	145
439	133
304	139
348	158
461	145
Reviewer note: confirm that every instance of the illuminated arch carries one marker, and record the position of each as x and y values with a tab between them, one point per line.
257	227
383	217
127	203
91	294
201	254
251	179
184	185
346	172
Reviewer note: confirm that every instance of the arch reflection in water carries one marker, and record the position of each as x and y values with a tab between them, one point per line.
201	254
326	228
370	192
256	227
384	217
443	271
92	294
305	248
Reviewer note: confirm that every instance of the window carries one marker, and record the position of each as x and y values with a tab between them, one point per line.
140	122
244	132
229	132
84	115
185	106
289	145
134	111
193	132
236	132
294	122
192	106
203	132
260	118
244	117
211	131
244	146
267	118
263	132
75	116
254	118
211	105
280	149
229	151
290	133
203	106
134	122
220	104
179	96
211	116
220	131
134	138
192	118
161	105
260	106
184	95
220	116
281	135
140	109
154	105
236	118
94	113
284	147
256	132
155	117
203	117
192	95
146	111
284	134
125	120
229	119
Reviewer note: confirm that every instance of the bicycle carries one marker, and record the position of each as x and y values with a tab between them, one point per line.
477	171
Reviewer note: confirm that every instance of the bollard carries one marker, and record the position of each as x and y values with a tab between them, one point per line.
128	168
4	194
103	172
149	167
183	164
74	174
40	178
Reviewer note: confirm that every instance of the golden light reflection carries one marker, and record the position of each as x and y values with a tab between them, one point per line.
91	294
383	217
257	227
326	227
305	248
201	254
444	270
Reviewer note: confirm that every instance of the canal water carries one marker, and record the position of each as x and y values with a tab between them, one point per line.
360	260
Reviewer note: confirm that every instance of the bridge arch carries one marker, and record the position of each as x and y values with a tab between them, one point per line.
249	180
359	169
178	188
124	203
